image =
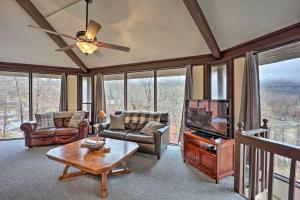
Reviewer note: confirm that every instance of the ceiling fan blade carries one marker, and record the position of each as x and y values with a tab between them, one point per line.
66	48
52	32
92	30
113	46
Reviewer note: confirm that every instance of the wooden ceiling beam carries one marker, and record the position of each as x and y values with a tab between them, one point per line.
36	15
203	26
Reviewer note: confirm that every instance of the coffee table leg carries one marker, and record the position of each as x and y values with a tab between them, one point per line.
69	175
104	186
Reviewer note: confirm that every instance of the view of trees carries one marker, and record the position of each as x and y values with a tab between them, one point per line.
114	92
140	95
14	101
280	104
170	98
45	93
170	94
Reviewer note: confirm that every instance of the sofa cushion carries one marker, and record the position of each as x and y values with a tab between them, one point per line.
77	117
47	132
114	134
58	122
139	137
67	131
141	117
66	121
150	127
117	122
44	120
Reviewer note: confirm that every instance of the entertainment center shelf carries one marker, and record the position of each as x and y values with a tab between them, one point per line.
214	157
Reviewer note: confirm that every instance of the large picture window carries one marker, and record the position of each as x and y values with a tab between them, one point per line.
218	81
280	98
114	92
14	103
170	97
140	95
87	95
45	93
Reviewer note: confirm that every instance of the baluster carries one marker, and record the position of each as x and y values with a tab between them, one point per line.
253	172
271	172
292	180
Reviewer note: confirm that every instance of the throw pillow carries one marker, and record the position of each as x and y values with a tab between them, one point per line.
151	127
117	122
76	119
44	120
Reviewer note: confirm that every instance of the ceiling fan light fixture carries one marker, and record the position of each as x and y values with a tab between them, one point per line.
86	47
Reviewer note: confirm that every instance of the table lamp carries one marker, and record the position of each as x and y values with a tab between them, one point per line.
101	116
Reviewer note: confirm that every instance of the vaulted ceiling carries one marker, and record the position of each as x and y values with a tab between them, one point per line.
153	29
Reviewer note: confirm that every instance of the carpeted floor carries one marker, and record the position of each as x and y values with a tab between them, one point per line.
28	174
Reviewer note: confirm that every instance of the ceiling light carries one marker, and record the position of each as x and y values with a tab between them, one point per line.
86	47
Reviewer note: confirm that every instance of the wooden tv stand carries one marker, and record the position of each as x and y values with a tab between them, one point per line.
216	164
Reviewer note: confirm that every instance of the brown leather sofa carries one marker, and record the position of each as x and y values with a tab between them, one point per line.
155	144
61	134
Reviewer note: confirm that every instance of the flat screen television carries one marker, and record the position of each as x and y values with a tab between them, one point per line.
211	117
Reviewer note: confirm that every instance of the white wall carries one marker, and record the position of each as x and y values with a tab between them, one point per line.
198	89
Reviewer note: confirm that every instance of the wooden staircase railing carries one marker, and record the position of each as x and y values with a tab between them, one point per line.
254	162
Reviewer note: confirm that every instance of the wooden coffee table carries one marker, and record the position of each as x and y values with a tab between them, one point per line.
95	162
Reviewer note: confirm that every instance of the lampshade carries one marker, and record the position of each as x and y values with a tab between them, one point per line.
101	114
86	47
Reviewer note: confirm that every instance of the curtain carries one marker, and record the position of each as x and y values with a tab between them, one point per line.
187	95
100	104
250	101
63	102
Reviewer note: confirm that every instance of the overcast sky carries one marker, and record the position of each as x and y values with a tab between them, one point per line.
285	70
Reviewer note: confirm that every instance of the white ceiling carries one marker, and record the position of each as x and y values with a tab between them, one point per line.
237	21
153	29
19	44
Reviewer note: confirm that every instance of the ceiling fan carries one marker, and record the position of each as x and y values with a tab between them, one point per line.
86	40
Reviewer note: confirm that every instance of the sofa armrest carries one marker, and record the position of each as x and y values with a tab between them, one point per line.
83	127
163	130
28	127
105	125
162	139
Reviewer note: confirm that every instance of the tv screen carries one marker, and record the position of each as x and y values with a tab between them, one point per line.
210	116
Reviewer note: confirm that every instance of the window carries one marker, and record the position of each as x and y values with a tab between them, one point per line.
87	95
114	92
218	82
14	103
140	95
170	97
280	98
45	93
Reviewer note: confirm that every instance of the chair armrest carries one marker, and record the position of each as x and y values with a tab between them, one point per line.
28	127
83	127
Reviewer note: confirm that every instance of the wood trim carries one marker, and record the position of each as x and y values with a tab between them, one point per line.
152	65
42	69
35	14
207	81
274	39
203	26
230	90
